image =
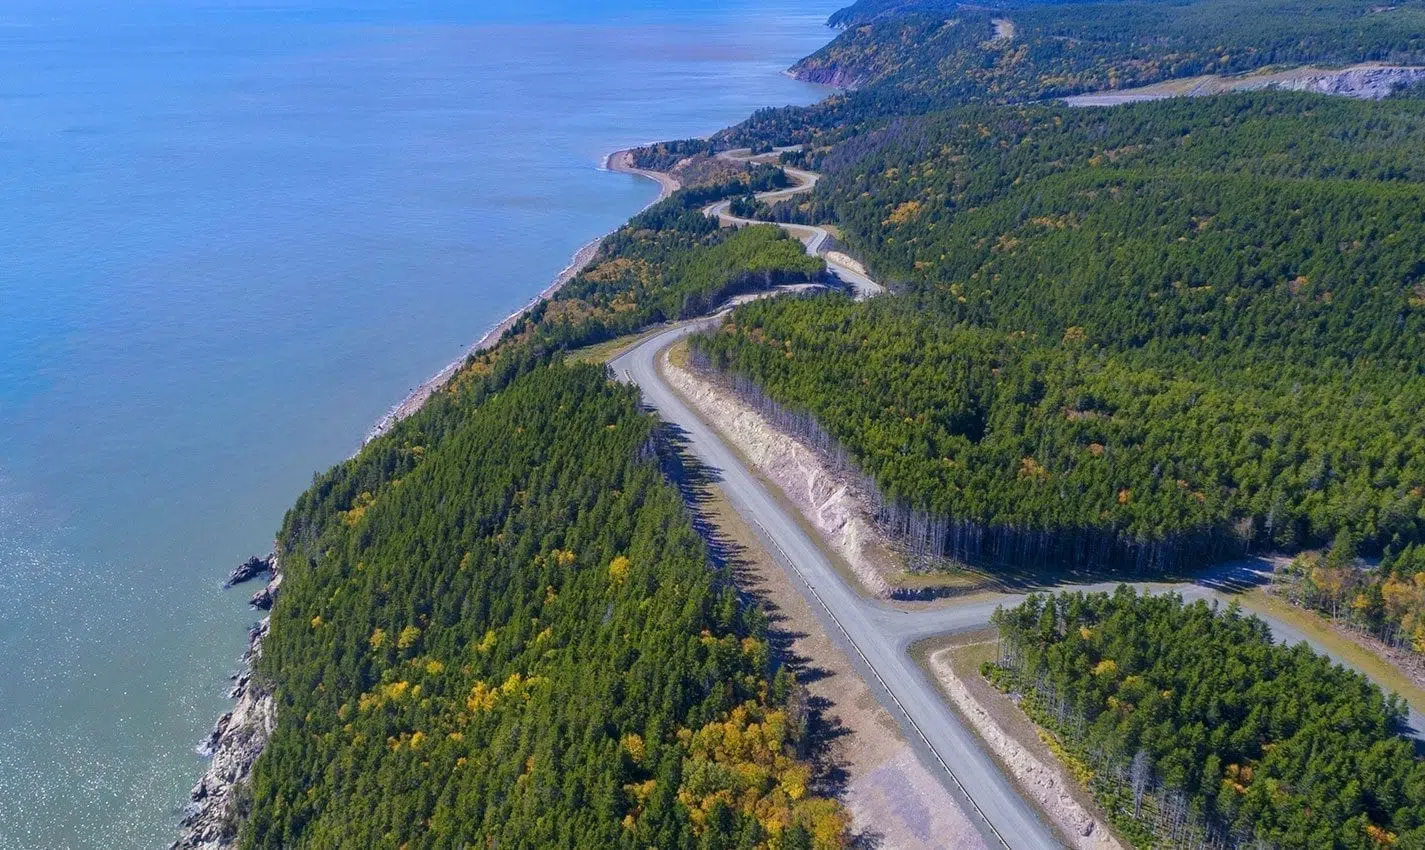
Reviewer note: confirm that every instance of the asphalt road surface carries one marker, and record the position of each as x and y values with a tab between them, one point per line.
815	238
878	635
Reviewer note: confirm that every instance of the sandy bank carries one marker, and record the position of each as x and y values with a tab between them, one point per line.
619	161
831	503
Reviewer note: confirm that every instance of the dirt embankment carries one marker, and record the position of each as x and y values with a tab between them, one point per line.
832	504
893	801
847	260
1043	779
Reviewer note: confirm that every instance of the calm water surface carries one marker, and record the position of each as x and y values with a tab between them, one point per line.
233	234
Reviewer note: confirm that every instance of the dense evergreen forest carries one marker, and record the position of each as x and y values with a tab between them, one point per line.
497	624
670	262
1175	329
498	627
907	58
1019	453
1196	730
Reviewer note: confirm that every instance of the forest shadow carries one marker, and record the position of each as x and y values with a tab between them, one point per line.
731	558
1231	577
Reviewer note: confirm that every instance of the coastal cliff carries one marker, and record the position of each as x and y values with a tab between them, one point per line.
210	821
830	73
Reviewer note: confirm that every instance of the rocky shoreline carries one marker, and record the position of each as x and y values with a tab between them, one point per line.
210	820
212	817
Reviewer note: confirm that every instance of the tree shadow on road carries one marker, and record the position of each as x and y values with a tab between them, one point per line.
823	729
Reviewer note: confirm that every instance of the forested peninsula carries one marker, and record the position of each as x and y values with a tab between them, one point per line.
1139	339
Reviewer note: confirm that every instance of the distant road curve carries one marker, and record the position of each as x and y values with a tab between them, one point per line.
814	237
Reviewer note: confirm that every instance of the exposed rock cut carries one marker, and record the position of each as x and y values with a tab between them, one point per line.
833	505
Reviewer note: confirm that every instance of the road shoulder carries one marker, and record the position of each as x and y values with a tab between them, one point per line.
1013	740
894	802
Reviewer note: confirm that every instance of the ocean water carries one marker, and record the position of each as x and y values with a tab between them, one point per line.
233	233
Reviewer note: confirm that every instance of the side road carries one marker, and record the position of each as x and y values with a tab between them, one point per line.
879	636
943	743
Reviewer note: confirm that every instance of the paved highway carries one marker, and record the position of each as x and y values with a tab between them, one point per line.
815	238
856	622
879	635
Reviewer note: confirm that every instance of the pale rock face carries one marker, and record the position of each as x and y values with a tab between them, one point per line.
210	819
832	505
1366	82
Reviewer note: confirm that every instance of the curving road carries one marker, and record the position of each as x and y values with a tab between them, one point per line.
877	635
814	237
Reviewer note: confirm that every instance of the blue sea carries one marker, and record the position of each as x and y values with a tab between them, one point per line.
232	234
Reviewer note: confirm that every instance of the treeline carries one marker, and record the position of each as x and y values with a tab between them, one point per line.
498	627
662	156
1195	730
670	262
996	448
1386	601
920	56
863	12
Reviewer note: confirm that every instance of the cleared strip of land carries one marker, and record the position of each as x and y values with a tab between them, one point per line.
1368	81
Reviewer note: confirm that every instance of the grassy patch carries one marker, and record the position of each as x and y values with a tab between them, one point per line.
678	354
959	578
605	351
1380	670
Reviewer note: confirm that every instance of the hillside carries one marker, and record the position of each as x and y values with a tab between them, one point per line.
910	57
1122	337
498	625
